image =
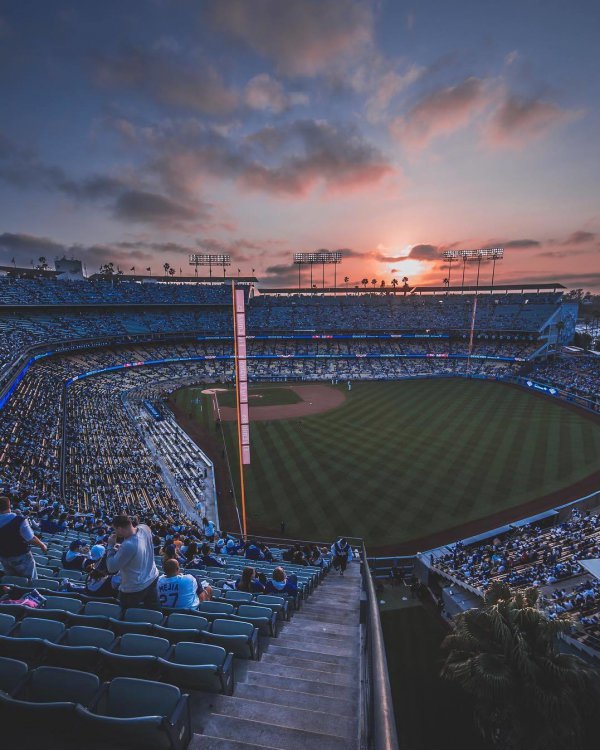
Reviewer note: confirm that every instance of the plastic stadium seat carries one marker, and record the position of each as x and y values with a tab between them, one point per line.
44	704
181	627
47	584
212	610
72	575
199	666
12	673
79	648
28	638
138	714
261	617
239	638
136	620
56	608
95	614
14	581
44	572
7	623
134	655
239	596
278	604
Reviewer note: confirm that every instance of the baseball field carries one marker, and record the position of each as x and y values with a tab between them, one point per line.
407	464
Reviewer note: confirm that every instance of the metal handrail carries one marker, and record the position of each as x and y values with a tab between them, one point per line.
381	723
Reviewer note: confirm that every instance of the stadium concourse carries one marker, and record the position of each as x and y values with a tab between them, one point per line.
85	435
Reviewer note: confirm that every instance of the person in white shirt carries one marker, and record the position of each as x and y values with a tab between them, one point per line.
177	590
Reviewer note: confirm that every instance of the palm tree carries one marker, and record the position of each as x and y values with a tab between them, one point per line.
42	263
346	280
394	284
382	285
171	272
405	286
526	694
166	266
446	282
374	283
364	282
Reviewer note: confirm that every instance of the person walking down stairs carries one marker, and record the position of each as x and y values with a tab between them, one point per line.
342	554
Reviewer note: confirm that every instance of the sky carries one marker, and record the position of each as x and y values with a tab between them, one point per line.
140	131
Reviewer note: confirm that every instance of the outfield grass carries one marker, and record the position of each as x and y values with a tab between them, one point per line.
403	460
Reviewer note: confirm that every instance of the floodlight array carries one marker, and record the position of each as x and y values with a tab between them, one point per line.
495	253
209	260
321	256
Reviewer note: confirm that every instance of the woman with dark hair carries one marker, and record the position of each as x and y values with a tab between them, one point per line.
249	582
191	553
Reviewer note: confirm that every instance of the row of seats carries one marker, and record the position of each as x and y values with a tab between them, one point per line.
193	665
51	705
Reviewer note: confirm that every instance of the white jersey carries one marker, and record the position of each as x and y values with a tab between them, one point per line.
178	592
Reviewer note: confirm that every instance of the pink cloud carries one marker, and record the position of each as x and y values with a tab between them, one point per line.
518	121
442	112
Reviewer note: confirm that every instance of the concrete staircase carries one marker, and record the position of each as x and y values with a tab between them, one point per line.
304	692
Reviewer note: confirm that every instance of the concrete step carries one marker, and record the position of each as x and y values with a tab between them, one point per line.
315	687
304	673
205	742
348	667
329	617
277	696
297	717
314	626
271	736
302	653
331	648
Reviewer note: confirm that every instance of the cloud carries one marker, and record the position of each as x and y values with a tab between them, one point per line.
441	112
153	208
580	237
266	94
169	78
126	199
280	275
424	252
301	37
285	160
517	244
518	121
22	245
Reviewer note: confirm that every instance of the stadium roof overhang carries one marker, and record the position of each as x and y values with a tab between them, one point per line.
174	279
29	273
497	288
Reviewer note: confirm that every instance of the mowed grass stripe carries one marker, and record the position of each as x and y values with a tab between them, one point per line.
400	460
464	458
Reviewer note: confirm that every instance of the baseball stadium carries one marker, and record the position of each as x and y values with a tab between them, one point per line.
431	444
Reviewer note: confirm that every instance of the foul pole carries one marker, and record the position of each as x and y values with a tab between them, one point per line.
241	391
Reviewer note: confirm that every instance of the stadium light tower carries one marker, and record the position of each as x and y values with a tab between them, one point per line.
324	257
210	261
486	253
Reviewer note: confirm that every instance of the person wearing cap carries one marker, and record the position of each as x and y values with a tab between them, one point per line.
98	582
15	537
342	554
75	556
231	548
